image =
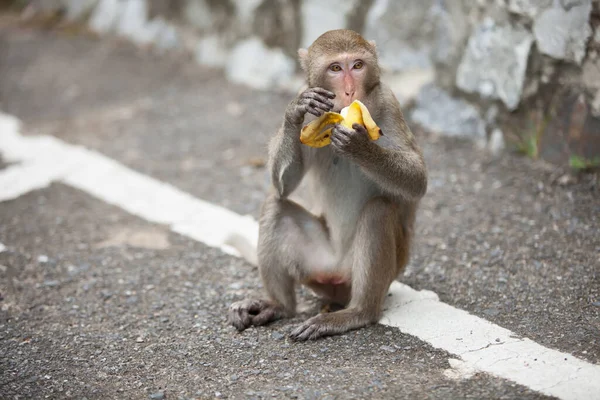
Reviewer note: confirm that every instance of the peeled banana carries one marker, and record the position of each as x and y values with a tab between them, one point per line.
318	132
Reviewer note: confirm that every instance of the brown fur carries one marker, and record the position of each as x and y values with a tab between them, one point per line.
322	52
364	193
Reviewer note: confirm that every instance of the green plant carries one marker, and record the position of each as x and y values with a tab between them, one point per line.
529	146
581	163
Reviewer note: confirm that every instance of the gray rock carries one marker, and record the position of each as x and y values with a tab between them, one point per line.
495	62
413	34
198	15
79	9
133	22
257	66
403	32
212	51
165	34
496	144
277	23
319	17
530	8
244	12
563	32
452	26
106	16
157	396
436	110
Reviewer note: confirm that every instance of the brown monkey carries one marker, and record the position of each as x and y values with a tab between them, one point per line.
355	239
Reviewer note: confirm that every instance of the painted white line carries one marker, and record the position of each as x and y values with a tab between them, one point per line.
478	344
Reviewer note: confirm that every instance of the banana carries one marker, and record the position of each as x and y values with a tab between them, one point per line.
318	132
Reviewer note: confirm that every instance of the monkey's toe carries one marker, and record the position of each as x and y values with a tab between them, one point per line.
245	313
312	329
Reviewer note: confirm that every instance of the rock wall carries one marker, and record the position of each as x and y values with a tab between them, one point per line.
525	71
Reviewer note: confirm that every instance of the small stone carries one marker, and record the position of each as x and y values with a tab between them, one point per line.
388	349
492	312
596	303
43	258
157	396
139	339
277	335
497	340
52	283
565	180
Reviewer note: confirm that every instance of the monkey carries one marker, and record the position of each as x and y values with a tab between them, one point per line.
351	239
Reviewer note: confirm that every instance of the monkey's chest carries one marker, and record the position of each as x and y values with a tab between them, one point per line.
339	192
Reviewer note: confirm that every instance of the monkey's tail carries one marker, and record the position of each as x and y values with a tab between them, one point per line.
244	245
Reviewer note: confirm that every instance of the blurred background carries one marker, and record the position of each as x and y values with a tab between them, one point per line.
516	74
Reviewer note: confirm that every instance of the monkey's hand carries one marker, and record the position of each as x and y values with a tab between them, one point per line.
245	313
315	101
350	142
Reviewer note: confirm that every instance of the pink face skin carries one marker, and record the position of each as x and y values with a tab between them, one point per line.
346	78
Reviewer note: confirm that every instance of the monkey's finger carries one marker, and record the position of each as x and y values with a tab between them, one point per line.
324	92
341	134
314	111
264	317
317	104
360	129
240	319
338	144
319	98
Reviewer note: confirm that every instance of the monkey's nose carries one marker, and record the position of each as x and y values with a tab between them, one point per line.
351	94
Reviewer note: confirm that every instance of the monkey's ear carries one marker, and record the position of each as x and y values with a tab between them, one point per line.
303	57
372	43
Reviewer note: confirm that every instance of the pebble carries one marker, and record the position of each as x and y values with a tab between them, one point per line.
43	259
52	283
277	335
157	396
492	312
389	349
596	303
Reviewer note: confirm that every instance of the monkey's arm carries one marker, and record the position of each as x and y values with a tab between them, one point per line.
396	165
395	162
285	159
285	152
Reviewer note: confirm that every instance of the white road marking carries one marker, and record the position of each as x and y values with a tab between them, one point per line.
478	344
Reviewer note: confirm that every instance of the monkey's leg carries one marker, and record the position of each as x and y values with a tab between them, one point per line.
374	257
291	242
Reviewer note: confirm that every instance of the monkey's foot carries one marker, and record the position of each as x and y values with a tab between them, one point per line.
330	324
246	313
331	307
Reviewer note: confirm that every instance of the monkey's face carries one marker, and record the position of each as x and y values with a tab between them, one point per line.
346	75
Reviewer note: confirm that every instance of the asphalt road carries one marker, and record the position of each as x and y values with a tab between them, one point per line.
97	303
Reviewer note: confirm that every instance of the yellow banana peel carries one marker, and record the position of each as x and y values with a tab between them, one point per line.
318	132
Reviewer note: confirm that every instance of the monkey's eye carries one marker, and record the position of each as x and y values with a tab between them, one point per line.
359	65
335	68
